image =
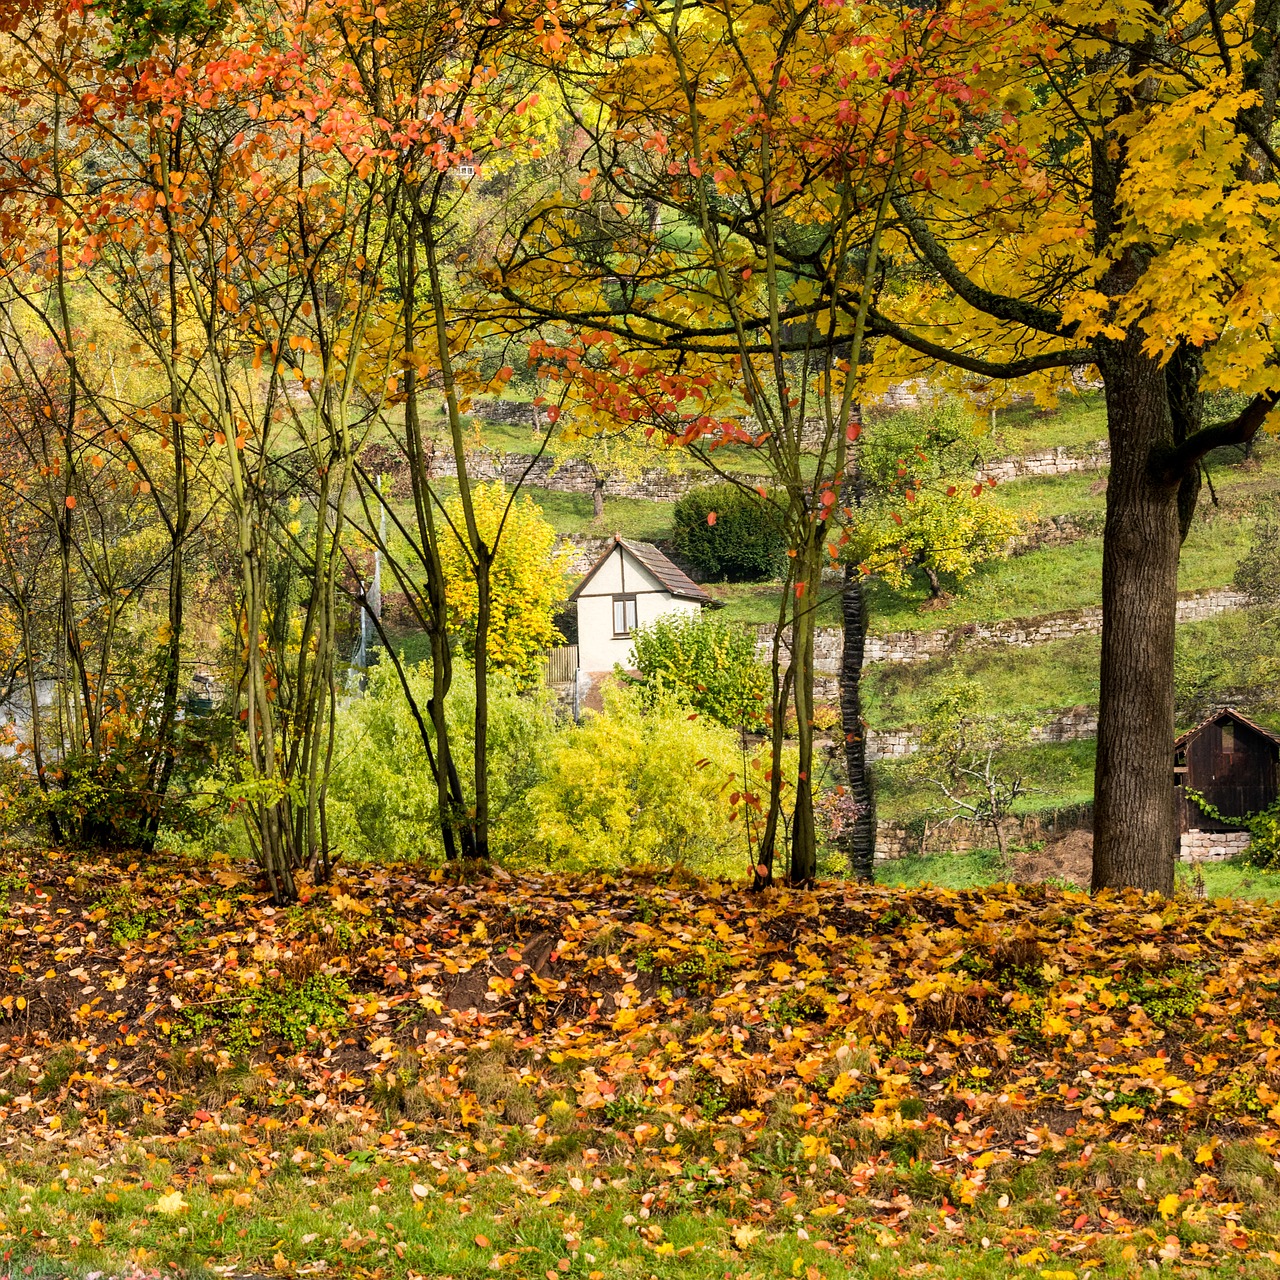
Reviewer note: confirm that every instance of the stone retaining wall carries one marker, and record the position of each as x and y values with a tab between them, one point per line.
1065	460
1076	724
1022	633
895	841
1212	846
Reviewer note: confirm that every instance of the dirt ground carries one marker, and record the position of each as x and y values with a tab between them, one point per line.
1069	858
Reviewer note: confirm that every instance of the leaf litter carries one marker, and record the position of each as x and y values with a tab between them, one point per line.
1068	1083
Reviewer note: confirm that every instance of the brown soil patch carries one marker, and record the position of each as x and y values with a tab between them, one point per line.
1068	858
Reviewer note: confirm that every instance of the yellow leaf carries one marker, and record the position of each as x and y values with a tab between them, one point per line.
280	1262
1205	1154
97	1232
170	1203
744	1237
1126	1114
1169	1206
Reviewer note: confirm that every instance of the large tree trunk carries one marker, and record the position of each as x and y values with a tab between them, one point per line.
1134	827
858	837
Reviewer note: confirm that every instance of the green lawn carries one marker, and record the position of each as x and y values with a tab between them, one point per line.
1234	879
1039	496
632	517
1078	420
1062	773
1049	580
1032	681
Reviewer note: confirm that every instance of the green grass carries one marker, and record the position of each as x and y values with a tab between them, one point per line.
1033	681
945	870
756	603
1062	773
1049	580
1233	879
302	1208
632	517
1036	497
1078	420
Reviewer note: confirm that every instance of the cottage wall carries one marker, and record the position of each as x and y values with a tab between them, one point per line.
620	574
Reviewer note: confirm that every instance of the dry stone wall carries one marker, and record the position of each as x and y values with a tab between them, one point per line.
1212	846
1065	460
1076	724
1022	633
893	840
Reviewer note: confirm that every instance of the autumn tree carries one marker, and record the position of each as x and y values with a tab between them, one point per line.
915	507
1098	194
672	273
527	581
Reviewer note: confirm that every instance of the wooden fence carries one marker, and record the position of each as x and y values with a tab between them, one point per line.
560	664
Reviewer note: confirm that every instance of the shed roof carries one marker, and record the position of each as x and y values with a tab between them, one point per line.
672	577
1233	714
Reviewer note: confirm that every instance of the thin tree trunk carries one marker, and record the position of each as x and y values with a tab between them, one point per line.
858	838
804	839
1134	826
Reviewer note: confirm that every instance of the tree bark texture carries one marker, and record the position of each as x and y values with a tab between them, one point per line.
1134	826
859	836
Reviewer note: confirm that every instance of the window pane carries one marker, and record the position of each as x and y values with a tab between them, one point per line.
619	617
631	616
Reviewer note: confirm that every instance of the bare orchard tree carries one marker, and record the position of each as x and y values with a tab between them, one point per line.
967	756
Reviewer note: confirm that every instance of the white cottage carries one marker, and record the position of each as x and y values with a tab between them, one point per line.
629	586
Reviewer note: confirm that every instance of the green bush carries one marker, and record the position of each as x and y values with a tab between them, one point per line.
743	543
381	798
642	784
708	664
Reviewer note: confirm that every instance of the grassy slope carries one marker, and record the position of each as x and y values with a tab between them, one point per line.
692	1081
1044	581
1060	772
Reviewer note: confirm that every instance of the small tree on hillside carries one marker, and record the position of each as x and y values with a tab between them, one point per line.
526	581
916	508
965	754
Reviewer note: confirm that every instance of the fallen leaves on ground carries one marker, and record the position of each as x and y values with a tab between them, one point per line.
1071	1082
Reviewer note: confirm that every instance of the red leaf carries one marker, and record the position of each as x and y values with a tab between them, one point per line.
71	503
711	517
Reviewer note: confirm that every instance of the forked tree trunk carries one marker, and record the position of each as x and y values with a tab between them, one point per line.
858	838
1134	828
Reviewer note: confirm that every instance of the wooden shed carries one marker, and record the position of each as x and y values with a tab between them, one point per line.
1232	762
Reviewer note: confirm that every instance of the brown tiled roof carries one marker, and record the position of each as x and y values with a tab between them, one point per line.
1183	739
670	575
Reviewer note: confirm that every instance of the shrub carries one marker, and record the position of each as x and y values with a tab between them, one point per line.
641	784
705	663
381	797
743	543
